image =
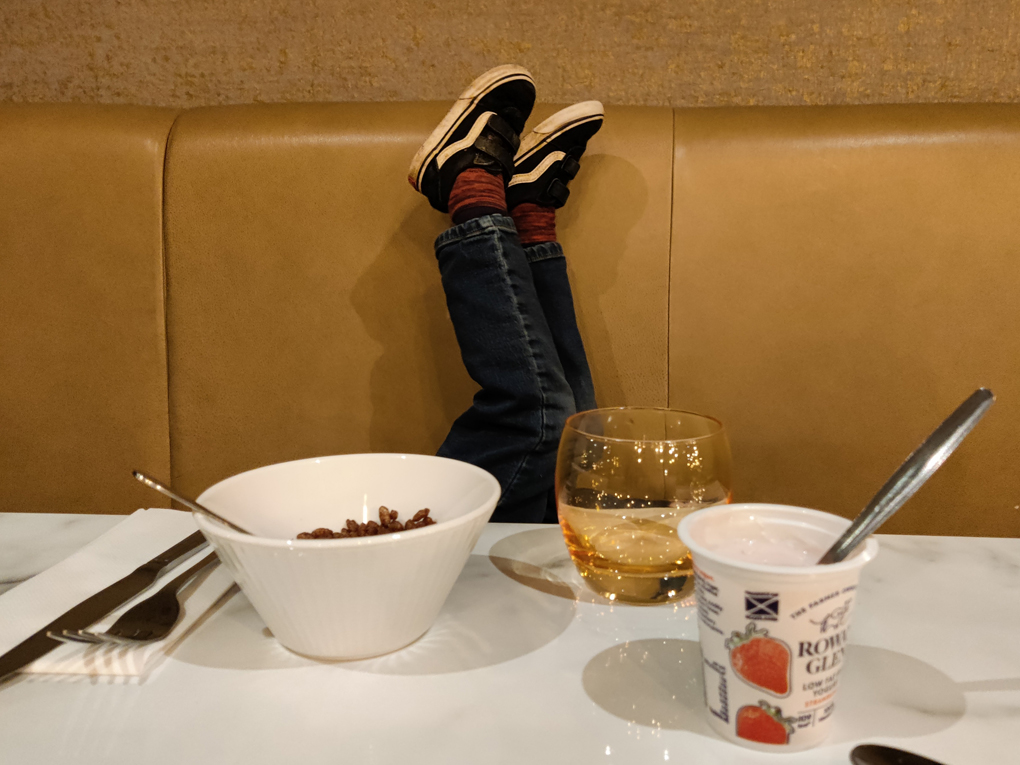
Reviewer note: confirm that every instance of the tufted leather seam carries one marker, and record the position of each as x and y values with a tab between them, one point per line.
669	258
166	307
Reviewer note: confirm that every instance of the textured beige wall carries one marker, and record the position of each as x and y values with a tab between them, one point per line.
699	52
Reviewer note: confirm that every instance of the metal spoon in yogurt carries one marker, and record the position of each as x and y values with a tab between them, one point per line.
918	468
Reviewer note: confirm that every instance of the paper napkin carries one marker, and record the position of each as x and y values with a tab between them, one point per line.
141	536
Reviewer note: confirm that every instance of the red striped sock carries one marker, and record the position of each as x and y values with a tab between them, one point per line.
535	224
476	192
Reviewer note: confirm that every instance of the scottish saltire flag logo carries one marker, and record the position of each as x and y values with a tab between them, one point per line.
763	606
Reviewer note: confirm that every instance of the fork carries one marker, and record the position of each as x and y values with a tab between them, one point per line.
150	620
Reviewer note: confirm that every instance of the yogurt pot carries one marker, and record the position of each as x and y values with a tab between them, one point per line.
772	622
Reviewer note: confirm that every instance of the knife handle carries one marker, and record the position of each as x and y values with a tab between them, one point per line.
171	557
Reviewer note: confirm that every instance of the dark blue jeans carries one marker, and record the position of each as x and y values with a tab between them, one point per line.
513	314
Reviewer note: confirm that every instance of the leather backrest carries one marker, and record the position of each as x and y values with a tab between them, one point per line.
305	311
836	281
83	395
842	278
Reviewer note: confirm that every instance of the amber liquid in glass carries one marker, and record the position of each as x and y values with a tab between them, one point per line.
632	555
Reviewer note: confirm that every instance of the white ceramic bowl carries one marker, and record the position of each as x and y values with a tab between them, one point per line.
349	598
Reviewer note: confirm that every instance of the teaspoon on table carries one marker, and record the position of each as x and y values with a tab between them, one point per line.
191	504
873	754
917	469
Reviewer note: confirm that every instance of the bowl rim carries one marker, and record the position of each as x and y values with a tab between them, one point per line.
220	531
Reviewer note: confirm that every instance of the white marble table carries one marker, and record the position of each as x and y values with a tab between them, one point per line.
526	666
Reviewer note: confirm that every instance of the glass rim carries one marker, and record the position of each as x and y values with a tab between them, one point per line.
571	424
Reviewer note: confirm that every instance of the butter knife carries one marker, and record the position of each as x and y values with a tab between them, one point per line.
94	608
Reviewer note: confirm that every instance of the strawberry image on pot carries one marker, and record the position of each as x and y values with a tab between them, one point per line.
760	660
764	723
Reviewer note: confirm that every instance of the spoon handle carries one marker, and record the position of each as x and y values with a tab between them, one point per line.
191	504
873	754
917	469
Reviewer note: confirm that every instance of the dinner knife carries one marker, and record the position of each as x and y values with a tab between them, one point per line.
94	608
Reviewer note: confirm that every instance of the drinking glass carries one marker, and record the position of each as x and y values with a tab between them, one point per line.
624	479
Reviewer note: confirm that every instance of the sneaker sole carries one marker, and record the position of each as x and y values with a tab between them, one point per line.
464	104
557	124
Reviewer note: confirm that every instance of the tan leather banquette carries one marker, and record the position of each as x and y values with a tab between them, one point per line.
198	293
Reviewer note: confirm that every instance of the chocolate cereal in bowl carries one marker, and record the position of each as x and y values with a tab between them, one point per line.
361	590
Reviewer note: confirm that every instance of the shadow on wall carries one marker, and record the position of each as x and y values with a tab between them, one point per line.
418	383
608	198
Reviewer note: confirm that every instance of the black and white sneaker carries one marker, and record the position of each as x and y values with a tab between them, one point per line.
548	157
481	130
